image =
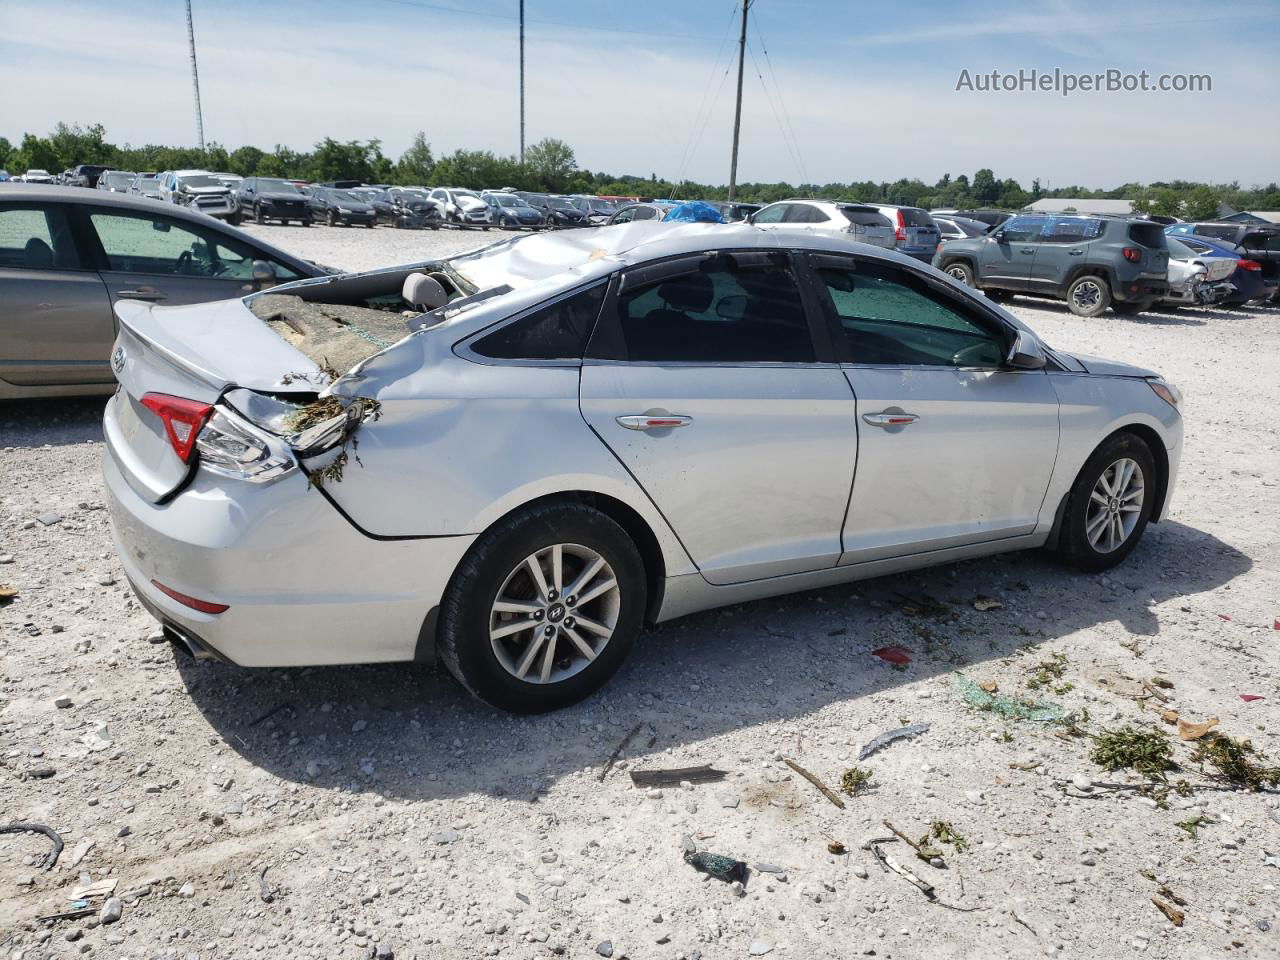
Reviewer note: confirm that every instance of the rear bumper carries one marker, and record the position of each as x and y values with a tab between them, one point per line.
1140	288
303	586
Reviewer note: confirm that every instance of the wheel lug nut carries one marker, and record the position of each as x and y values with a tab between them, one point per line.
568	622
537	614
571	601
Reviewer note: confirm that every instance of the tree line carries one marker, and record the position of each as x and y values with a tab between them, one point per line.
550	165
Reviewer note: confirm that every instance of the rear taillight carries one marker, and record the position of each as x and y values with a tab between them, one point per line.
901	233
1248	265
182	419
1132	254
204	606
232	448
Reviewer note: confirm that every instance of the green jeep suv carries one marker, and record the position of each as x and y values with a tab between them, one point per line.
1092	262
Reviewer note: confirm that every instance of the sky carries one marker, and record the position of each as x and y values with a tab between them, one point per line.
834	90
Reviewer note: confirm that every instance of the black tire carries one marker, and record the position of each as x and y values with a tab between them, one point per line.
1000	296
1088	296
235	219
333	219
1074	548
257	215
465	611
306	222
960	271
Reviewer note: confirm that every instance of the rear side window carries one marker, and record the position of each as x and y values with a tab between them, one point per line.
743	308
556	332
865	218
916	217
36	238
1210	230
805	213
1071	230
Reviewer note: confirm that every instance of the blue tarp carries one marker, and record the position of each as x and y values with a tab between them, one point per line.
695	211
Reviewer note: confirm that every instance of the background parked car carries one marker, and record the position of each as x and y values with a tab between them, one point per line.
67	255
84	175
145	186
596	210
116	181
641	211
1091	262
955	227
341	207
36	175
1248	280
269	198
512	212
462	207
556	211
4	176
915	233
734	212
198	190
862	222
1260	241
1197	278
990	217
411	208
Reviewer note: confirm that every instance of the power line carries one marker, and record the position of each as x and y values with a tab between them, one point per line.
786	141
699	122
554	23
777	87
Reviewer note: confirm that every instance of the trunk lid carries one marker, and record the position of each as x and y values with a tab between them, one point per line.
195	353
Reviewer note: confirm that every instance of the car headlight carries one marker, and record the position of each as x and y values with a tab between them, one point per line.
343	210
1166	391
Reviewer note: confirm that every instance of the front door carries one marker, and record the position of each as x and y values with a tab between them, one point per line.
56	325
1007	253
954	448
1063	245
702	378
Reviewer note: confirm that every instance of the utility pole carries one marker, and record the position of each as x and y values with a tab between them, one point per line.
522	81
195	77
737	110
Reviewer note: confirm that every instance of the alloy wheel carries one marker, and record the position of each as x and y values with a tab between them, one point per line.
958	273
1086	294
1115	505
554	613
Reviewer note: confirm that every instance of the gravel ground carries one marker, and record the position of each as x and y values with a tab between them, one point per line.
354	812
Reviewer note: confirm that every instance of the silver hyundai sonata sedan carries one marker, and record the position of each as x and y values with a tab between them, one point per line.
515	458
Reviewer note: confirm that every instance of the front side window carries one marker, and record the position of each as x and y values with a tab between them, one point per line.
36	237
136	243
624	216
774	213
556	332
734	308
890	316
1071	230
1023	229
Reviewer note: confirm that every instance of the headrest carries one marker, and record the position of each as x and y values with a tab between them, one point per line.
690	292
37	255
422	291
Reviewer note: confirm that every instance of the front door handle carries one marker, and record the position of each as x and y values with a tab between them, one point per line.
644	421
142	293
889	419
1075	253
1029	250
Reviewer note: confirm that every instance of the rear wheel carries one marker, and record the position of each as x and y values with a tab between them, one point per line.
1088	296
257	215
235	219
543	609
1109	504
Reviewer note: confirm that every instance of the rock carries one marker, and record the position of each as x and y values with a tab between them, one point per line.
62	702
768	868
187	890
106	580
49	519
74	934
359	725
605	948
111	910
97	739
1083	784
445	836
728	800
759	948
860	872
41	773
383	951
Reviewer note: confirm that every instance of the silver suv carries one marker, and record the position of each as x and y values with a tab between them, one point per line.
1090	262
862	221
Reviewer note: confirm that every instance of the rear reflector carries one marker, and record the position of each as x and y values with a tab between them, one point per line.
182	419
204	606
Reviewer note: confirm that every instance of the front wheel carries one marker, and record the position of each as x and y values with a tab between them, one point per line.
543	609
235	219
1109	504
333	219
1088	296
960	272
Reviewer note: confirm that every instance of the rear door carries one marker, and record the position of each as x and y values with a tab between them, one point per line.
1007	253
954	448
703	379
166	260
56	325
1063	243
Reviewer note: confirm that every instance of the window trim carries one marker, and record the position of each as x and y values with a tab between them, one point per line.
463	347
606	344
969	308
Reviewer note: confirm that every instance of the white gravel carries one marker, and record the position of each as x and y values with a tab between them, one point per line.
393	815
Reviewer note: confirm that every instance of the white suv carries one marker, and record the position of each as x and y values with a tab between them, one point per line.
863	221
198	190
462	207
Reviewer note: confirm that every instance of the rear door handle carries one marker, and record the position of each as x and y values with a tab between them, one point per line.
643	421
1075	253
1029	250
142	293
889	419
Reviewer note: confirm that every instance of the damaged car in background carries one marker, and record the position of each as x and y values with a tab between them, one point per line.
516	457
1197	277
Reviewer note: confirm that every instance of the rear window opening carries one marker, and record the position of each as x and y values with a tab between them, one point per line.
1147	234
339	323
916	217
865	217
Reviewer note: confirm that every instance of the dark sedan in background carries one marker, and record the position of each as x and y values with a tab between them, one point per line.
335	206
67	255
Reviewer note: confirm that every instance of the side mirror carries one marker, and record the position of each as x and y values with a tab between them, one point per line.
263	273
1025	353
997	235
